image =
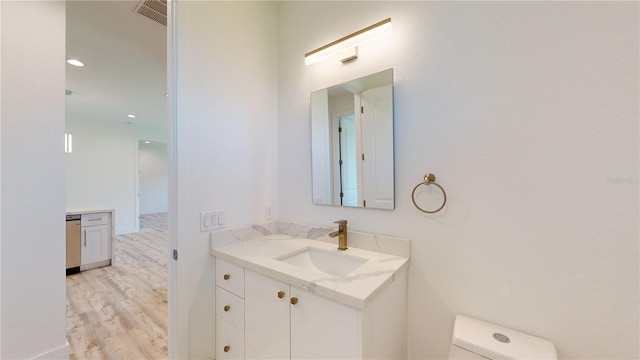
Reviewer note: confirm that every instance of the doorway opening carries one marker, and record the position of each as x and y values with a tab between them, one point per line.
116	99
152	182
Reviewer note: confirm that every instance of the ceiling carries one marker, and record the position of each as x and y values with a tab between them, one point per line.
355	86
125	57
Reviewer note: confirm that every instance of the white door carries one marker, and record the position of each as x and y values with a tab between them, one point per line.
321	148
322	329
377	147
266	306
349	161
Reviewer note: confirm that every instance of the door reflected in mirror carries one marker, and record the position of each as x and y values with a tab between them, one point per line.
352	143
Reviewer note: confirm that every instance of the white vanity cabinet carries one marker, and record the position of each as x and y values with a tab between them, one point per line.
322	328
282	321
95	240
229	342
266	317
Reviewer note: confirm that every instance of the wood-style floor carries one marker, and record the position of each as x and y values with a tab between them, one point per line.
120	311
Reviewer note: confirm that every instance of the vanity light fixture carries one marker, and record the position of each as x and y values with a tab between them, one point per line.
68	143
75	62
348	42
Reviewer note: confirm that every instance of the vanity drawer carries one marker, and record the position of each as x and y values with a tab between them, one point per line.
229	340
95	219
230	277
230	307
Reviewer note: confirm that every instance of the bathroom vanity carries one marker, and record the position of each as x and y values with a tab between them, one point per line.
286	297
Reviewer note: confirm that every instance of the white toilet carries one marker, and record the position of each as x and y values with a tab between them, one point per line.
475	339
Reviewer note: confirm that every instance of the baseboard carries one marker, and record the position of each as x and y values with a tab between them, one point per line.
59	353
126	230
151	212
95	265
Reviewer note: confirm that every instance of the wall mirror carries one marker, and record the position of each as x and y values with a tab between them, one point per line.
352	143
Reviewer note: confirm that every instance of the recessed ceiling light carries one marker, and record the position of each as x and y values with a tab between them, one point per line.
147	142
75	62
131	116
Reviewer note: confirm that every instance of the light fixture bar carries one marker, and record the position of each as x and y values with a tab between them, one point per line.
68	143
75	62
370	32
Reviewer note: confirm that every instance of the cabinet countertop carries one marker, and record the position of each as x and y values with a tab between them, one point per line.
88	211
356	289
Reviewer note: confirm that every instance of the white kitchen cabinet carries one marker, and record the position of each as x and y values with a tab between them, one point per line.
95	238
96	245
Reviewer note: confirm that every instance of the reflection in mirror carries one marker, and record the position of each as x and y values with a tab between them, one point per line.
352	143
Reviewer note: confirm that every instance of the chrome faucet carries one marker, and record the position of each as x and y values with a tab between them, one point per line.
341	234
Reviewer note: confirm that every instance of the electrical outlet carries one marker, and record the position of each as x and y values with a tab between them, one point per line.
268	215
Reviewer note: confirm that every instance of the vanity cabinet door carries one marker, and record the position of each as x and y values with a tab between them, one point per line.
229	341
266	317
322	329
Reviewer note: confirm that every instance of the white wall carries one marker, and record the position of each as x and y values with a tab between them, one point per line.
153	165
0	179
32	238
527	112
226	139
101	170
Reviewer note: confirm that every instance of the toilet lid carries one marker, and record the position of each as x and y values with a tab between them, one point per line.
496	342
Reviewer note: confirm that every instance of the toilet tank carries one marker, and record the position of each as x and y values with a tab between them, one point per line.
475	339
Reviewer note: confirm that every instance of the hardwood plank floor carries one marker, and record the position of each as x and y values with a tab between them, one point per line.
120	311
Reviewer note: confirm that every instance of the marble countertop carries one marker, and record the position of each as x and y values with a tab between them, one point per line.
356	289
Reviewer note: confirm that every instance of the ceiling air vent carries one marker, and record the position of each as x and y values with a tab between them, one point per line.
155	10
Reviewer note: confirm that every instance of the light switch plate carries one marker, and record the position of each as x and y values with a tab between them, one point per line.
211	220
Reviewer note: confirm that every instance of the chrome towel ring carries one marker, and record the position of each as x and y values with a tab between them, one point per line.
429	179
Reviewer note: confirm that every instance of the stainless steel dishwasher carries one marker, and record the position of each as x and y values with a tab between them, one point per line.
74	244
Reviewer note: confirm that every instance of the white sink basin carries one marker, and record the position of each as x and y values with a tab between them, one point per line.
324	261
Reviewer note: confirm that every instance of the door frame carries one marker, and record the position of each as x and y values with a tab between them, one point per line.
177	291
137	194
336	176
